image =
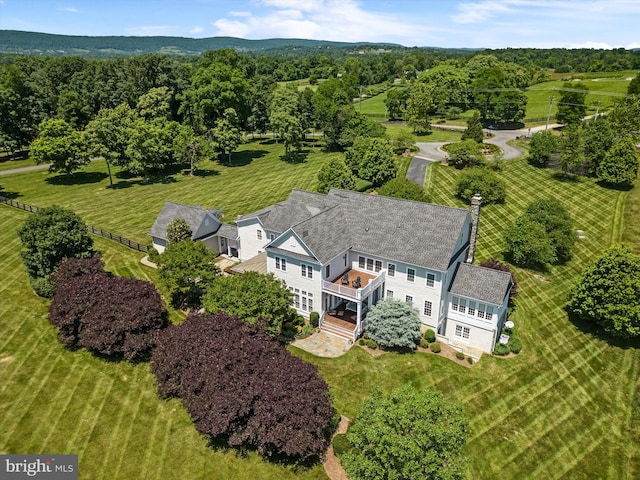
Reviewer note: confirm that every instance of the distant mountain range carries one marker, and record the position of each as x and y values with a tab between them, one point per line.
32	43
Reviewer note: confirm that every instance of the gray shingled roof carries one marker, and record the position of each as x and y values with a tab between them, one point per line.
480	283
414	232
228	231
297	208
171	210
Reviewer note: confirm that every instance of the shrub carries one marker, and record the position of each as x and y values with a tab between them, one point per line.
72	268
430	335
482	181
216	365
43	287
424	343
460	355
288	326
465	154
298	321
394	324
371	343
403	188
362	342
435	347
314	319
515	345
501	349
113	316
341	444
153	255
470	360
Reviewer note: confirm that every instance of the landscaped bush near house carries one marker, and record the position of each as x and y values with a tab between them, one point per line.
460	355
429	335
341	444
314	319
113	316
216	365
73	268
394	324
43	287
515	345
466	153
424	343
501	349
152	255
435	347
470	360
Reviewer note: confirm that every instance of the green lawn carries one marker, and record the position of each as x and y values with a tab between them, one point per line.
373	105
561	409
58	401
258	178
11	164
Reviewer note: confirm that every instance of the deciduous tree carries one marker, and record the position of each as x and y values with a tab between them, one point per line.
528	244
178	230
571	106
558	224
372	159
419	104
186	271
243	387
251	297
335	174
598	140
608	293
61	146
408	433
482	181
620	164
227	134
284	118
403	188
541	147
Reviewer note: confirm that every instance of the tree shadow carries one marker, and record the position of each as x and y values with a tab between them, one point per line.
267	141
295	157
77	178
9	195
594	330
203	173
245	157
612	186
566	177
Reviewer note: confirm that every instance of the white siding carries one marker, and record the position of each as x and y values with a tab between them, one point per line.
159	244
292	276
480	338
250	246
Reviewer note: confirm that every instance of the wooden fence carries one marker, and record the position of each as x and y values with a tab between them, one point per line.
95	230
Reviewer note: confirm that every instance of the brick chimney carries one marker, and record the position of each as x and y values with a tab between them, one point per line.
476	201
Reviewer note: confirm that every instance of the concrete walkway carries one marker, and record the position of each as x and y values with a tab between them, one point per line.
322	344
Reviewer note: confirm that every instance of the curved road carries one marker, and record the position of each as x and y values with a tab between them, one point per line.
432	151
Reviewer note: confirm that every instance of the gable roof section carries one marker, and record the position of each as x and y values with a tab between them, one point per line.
297	208
481	283
416	233
194	215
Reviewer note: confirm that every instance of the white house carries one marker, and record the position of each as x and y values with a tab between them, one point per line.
342	252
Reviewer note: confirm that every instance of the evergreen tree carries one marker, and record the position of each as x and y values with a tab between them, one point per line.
474	128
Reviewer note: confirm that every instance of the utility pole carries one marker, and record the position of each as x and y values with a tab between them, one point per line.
597	110
360	87
553	92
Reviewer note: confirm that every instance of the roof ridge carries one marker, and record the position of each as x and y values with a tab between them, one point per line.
400	200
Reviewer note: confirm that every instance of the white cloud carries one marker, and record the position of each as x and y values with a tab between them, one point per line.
196	30
235	13
338	20
69	9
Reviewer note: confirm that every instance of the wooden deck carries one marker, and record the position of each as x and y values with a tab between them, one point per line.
341	322
365	278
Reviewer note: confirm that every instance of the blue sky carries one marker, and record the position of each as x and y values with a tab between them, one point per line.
469	23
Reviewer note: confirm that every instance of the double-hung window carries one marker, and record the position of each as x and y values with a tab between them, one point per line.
411	274
389	293
391	270
428	307
306	270
259	234
281	264
462	332
431	279
408	299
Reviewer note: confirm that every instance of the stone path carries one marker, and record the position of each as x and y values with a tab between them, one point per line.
331	464
323	344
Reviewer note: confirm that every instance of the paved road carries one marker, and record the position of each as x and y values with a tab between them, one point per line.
24	169
432	151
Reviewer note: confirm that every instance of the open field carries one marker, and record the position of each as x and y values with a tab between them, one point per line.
59	401
257	178
561	409
631	234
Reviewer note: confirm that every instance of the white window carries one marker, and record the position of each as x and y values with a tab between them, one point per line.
481	310
408	299
281	264
391	270
361	262
472	308
306	270
455	304
411	274
462	332
389	293
428	306
431	279
370	264
296	300
307	301
378	266
259	234
462	308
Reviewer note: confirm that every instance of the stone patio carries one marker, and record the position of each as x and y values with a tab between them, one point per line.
323	344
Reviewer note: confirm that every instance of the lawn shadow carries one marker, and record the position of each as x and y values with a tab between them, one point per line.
245	157
203	173
77	178
267	141
612	186
9	195
566	177
594	330
299	156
